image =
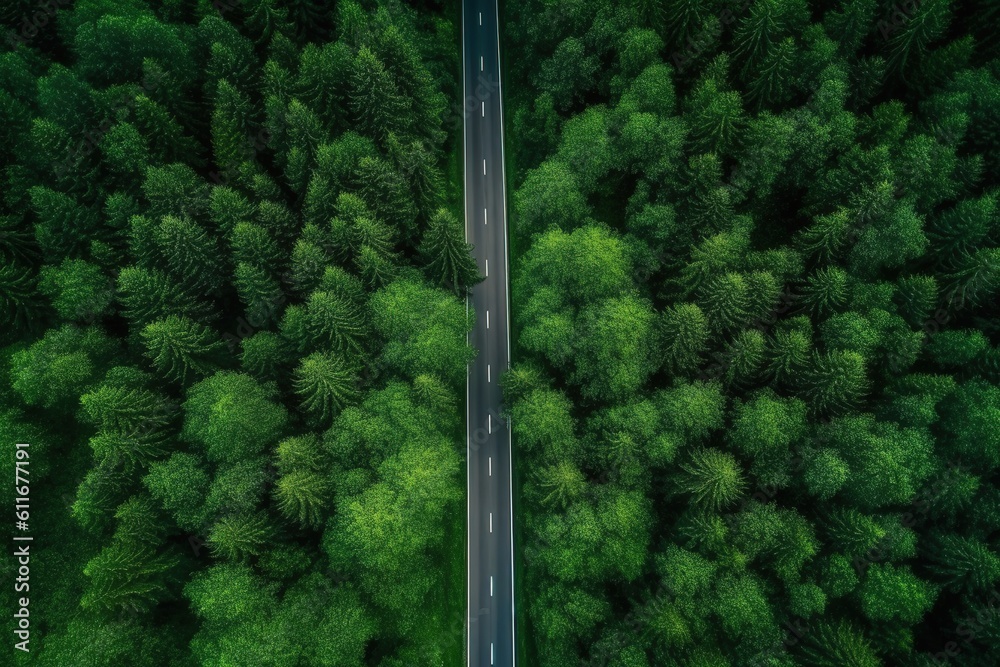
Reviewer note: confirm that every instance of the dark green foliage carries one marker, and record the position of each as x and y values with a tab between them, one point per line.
447	254
180	349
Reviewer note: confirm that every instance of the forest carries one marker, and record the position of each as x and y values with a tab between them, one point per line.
755	397
234	332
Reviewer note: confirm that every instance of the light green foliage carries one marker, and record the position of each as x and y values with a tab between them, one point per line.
413	487
889	592
550	197
838	643
180	484
594	540
125	577
887	463
57	369
232	417
804	194
742	609
542	419
78	289
424	330
239	536
764	428
615	353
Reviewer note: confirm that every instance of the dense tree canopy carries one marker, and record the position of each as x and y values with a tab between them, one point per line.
754	397
233	332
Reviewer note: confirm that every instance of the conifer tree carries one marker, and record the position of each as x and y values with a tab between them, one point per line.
325	384
449	257
180	349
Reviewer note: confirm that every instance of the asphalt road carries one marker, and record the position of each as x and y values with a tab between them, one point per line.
490	626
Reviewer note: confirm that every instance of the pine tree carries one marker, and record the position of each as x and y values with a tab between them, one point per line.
964	564
17	298
725	300
418	164
716	118
788	352
79	290
448	256
240	536
825	291
261	295
65	227
166	136
253	244
149	295
180	349
113	407
191	254
743	358
835	381
335	323
326	385
769	85
563	483
231	128
375	100
302	497
684	336
972	278
125	577
837	644
713	478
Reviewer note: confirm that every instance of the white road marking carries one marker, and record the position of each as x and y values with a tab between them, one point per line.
491	466
480	18
489	424
491	653
491	585
482	107
480	63
484	166
486	217
488	373
487	268
487	319
491	522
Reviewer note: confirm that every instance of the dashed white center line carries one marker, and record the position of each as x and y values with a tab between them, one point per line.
487	268
489	424
491	585
488	373
491	653
491	522
482	107
480	18
484	166
480	63
491	466
486	219
487	319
